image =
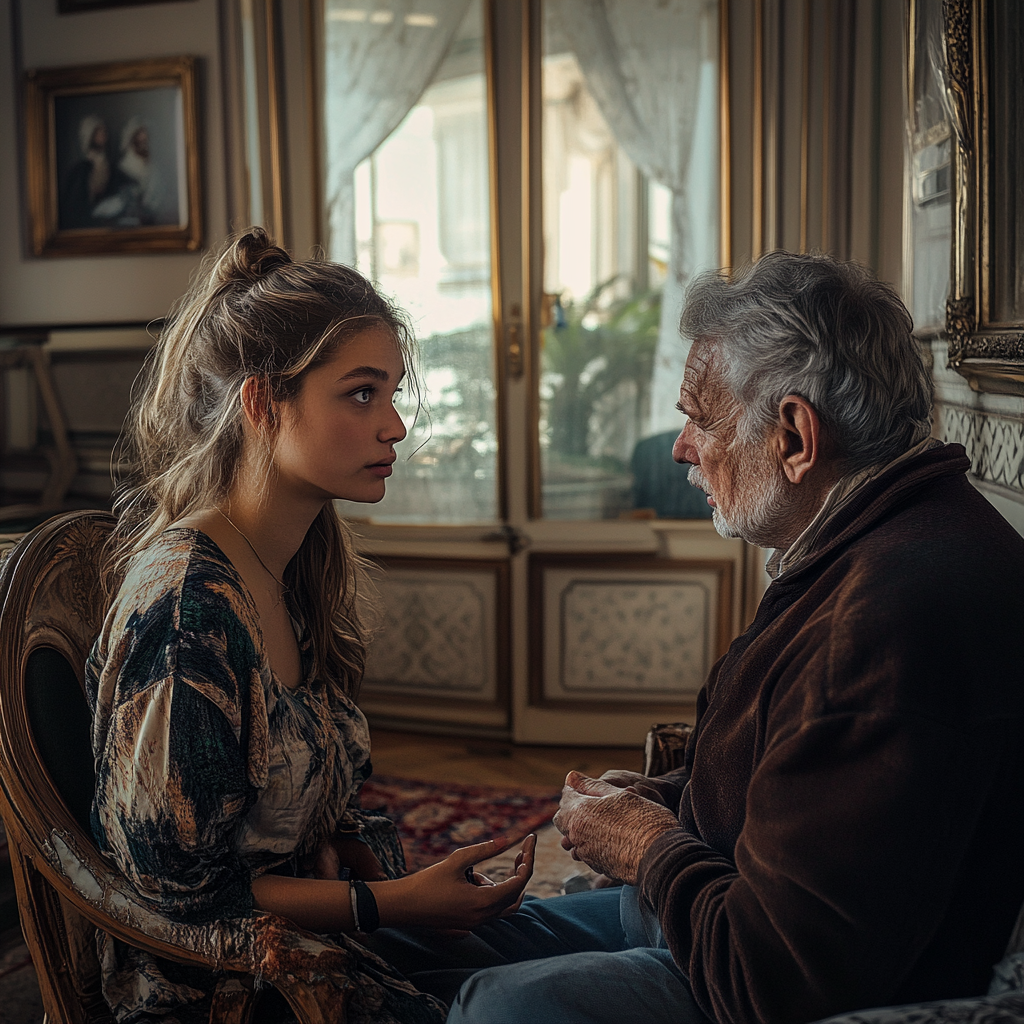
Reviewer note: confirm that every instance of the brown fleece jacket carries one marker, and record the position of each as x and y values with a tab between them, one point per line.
852	831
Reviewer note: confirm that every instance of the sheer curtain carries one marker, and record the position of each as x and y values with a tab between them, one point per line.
379	60
644	61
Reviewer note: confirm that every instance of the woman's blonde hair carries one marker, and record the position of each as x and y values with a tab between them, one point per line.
252	313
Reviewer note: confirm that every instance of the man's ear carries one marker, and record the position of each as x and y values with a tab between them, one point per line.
798	438
258	406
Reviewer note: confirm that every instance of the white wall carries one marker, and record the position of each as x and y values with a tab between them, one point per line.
128	287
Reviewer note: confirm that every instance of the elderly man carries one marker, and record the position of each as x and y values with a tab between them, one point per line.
848	829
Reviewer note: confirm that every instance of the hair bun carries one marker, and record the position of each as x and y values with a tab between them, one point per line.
250	257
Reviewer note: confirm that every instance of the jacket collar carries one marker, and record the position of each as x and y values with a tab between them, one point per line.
856	509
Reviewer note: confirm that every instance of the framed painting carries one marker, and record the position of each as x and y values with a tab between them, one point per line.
112	158
77	6
984	42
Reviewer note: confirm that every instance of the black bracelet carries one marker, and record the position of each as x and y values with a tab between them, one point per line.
367	915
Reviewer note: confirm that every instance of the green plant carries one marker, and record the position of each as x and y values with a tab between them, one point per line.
589	352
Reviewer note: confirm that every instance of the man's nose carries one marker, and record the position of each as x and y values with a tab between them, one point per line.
683	450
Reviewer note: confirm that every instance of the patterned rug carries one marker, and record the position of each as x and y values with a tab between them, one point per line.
435	819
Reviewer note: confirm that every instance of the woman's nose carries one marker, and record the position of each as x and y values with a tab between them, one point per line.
394	430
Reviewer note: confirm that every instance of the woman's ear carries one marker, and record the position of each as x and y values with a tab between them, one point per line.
799	437
258	406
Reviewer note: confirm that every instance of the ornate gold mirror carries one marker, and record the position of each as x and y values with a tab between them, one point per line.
984	42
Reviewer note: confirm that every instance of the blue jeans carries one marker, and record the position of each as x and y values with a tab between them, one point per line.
589	958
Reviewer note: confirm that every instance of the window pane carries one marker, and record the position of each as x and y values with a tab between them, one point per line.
630	171
412	212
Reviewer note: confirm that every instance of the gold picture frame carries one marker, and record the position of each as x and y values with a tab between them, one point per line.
985	328
112	158
81	6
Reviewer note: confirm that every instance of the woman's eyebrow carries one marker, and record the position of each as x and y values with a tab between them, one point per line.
375	372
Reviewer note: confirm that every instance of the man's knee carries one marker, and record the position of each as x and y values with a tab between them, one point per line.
526	993
579	988
481	996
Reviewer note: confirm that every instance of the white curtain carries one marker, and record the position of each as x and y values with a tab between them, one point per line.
645	62
380	57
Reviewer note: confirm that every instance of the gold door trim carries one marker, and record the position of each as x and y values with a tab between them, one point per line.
497	297
805	126
757	216
532	111
313	15
724	138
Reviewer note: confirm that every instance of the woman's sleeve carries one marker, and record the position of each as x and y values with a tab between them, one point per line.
181	765
380	834
370	825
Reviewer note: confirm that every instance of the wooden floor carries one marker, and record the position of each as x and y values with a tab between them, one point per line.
491	762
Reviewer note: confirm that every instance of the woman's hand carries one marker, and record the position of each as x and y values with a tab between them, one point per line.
442	896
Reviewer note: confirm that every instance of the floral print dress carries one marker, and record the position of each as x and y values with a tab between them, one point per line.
210	772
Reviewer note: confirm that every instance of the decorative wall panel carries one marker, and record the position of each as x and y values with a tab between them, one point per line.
442	632
995	444
622	629
640	634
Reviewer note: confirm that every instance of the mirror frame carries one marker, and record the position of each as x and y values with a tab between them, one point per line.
990	356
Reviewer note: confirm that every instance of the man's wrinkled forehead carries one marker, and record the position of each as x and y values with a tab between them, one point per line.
702	362
702	378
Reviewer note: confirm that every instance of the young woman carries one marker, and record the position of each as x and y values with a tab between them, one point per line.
229	751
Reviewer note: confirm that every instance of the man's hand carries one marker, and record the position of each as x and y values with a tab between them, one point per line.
623	779
609	828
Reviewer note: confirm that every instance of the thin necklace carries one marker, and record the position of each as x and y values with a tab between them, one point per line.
252	548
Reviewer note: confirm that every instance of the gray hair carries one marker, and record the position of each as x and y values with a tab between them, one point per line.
828	331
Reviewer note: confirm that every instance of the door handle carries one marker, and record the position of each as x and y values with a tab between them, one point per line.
515	539
514	340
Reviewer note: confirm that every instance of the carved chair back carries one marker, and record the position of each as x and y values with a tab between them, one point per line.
52	608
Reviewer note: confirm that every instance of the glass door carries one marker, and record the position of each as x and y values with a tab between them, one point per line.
535	183
413	214
629	176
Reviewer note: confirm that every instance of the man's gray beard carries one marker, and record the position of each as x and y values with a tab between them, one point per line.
759	508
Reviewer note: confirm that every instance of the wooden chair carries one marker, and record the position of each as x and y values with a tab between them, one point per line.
665	748
51	609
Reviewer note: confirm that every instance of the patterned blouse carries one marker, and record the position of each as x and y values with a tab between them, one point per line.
210	772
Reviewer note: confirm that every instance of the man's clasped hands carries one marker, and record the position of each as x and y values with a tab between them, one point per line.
609	823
